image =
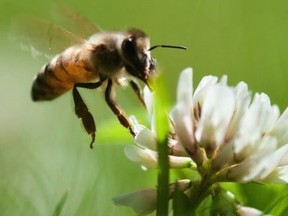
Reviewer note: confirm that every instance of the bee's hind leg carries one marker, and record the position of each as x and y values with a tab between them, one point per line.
82	111
89	85
116	108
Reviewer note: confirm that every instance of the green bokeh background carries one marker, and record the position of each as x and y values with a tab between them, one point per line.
44	153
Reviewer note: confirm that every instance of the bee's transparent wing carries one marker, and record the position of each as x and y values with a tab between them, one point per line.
74	21
43	39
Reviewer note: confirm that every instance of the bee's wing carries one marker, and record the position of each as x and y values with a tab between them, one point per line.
75	21
41	38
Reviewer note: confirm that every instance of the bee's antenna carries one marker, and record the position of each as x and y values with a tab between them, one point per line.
168	46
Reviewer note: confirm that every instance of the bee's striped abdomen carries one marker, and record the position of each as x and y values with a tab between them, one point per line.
52	81
70	67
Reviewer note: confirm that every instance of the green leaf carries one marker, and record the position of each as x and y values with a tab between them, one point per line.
60	204
279	206
222	204
181	203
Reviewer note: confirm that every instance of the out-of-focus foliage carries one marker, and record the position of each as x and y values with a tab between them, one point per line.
46	165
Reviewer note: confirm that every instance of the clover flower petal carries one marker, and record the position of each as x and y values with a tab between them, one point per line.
145	201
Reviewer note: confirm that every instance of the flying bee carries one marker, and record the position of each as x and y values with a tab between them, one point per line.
104	59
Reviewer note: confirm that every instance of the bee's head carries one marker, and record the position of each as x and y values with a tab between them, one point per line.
137	59
136	54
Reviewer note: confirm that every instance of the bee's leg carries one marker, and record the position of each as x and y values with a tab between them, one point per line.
89	85
82	112
116	108
137	90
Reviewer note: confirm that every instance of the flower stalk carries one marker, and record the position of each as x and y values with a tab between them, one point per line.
163	180
162	131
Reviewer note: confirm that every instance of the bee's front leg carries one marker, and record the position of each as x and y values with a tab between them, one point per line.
82	112
138	92
116	108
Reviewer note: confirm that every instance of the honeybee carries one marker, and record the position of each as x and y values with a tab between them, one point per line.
104	59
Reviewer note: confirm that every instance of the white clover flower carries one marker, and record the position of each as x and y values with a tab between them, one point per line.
237	137
243	139
220	131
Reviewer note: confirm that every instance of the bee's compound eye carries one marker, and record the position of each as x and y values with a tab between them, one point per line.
152	64
129	47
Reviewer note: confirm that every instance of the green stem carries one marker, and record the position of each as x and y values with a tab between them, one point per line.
199	192
163	179
162	130
202	189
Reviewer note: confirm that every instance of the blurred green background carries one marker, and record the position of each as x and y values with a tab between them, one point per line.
44	152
